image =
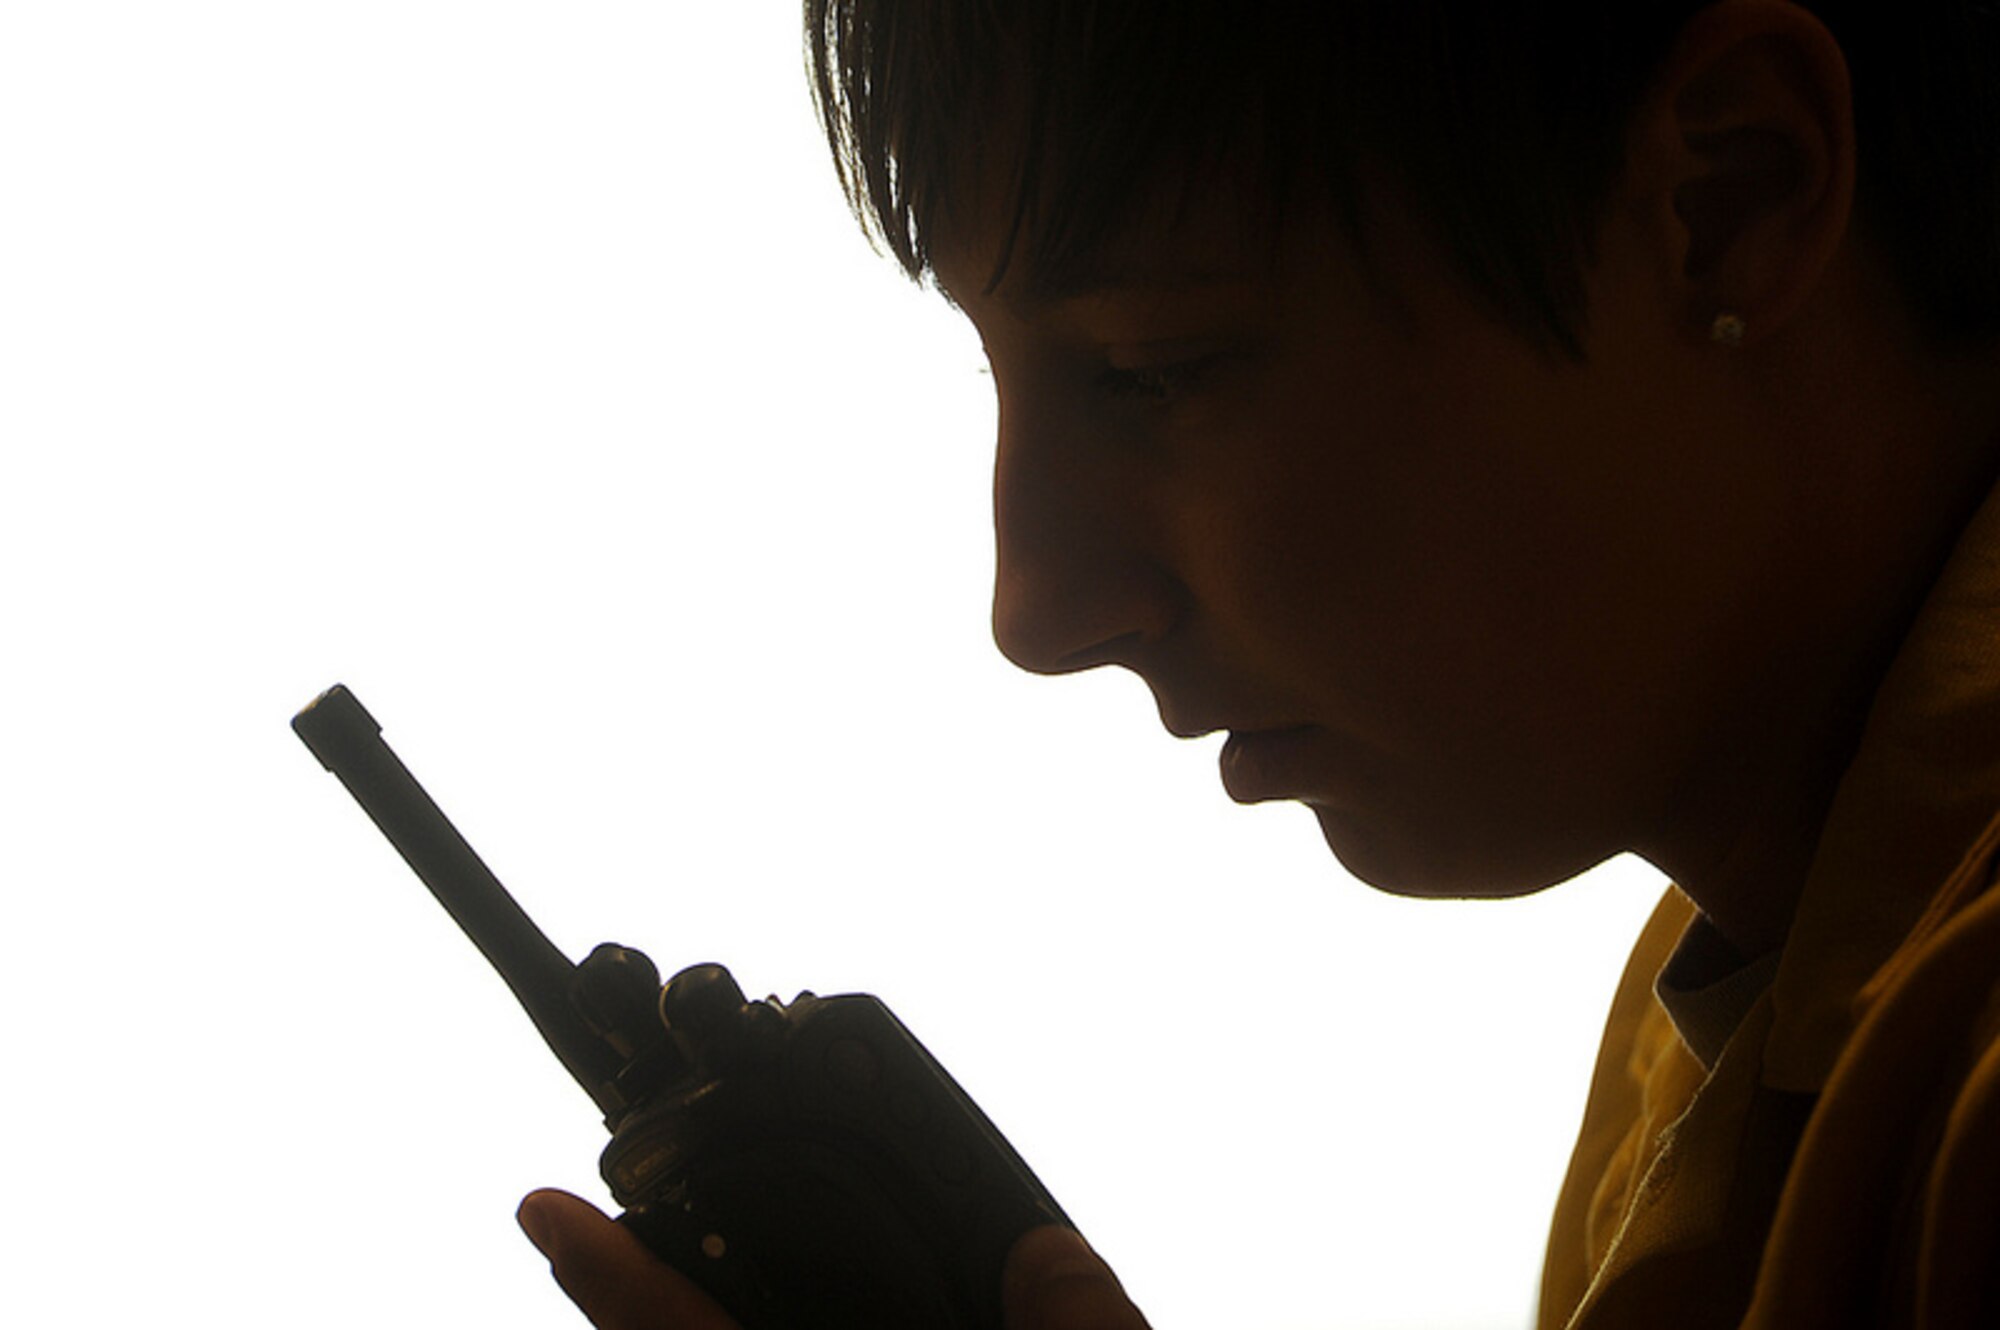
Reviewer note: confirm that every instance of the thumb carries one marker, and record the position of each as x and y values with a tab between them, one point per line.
609	1273
1054	1281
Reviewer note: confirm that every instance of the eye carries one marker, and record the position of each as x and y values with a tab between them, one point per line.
1154	383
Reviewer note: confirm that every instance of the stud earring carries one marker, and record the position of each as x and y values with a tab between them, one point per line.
1728	330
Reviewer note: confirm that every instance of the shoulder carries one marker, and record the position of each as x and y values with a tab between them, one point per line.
1895	1191
1944	1010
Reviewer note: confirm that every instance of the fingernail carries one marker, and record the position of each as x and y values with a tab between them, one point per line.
1070	1257
535	1221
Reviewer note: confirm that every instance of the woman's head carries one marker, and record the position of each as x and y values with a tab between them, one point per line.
1356	391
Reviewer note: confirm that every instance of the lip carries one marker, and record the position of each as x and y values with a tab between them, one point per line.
1259	765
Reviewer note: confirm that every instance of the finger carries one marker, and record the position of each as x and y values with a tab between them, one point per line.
1054	1281
609	1273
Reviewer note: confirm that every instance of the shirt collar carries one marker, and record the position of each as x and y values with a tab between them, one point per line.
1707	987
1924	784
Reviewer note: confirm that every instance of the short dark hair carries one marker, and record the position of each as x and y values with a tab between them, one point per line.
1505	121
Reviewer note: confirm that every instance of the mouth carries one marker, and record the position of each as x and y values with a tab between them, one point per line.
1260	765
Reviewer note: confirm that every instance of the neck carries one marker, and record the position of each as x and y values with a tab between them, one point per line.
1742	830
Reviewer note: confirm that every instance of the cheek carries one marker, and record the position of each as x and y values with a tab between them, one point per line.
1353	565
1416	583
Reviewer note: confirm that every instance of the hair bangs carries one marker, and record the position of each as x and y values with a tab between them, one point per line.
1058	129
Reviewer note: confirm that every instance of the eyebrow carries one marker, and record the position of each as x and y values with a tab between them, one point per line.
1039	291
1136	279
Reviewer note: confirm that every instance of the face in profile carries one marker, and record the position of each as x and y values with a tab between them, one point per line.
1476	608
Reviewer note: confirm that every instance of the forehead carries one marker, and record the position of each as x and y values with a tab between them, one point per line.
1155	253
1180	233
1044	234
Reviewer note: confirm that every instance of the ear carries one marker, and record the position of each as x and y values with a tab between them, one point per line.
1741	161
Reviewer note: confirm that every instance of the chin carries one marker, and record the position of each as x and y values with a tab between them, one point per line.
1437	867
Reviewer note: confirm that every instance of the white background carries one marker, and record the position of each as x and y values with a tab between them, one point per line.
519	365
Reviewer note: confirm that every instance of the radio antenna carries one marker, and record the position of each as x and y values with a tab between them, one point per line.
348	742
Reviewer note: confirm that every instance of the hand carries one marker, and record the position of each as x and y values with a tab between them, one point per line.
1053	1280
608	1272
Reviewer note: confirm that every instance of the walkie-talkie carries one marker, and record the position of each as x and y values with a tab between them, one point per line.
809	1164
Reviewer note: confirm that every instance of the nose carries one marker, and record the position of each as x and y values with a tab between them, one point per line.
1080	574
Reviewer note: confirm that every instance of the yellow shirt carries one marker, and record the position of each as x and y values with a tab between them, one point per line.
1839	1163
